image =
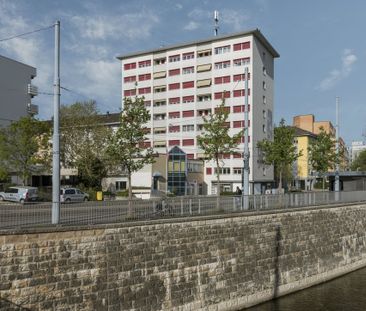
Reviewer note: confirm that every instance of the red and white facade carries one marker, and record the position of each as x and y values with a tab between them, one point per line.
182	83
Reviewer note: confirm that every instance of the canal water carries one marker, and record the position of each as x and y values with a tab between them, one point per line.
347	293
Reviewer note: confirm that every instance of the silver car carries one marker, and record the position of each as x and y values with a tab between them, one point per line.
19	194
68	195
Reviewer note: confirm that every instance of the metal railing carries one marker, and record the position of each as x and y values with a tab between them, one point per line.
16	216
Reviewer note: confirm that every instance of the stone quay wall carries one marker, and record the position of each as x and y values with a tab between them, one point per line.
211	263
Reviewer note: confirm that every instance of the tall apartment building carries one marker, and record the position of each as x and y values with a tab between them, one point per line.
16	90
184	82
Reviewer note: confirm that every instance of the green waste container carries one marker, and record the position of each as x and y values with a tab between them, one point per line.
99	196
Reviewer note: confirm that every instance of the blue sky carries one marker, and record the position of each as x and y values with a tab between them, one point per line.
321	43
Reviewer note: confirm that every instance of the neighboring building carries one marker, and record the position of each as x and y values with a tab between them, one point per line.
356	148
184	82
16	90
349	181
303	174
307	122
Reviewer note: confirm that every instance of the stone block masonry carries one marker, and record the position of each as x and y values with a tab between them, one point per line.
209	263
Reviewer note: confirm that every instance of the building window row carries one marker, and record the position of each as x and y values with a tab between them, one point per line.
145	63
222	49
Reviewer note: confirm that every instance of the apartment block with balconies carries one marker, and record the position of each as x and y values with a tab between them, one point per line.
16	90
184	82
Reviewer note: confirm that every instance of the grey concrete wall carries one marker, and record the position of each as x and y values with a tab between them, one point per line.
193	264
14	80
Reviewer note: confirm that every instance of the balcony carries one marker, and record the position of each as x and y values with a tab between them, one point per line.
32	90
32	109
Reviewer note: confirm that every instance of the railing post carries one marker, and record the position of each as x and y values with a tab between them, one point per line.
181	206
199	205
190	206
234	204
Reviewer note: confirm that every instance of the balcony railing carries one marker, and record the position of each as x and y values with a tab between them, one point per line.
32	109
32	90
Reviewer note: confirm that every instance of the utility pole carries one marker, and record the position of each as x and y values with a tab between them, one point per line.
246	154
336	179
56	134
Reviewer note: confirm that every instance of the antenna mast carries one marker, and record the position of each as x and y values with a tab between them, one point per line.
216	19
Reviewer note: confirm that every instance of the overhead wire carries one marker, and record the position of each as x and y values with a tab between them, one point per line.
26	33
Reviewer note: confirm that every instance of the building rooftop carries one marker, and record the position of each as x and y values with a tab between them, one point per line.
301	132
255	32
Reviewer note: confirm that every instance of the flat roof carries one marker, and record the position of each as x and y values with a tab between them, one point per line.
15	61
255	32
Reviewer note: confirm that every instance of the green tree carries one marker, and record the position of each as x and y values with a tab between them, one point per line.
322	154
83	142
359	164
125	146
24	146
281	152
215	141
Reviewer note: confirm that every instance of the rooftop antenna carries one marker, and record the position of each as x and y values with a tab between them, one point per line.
216	19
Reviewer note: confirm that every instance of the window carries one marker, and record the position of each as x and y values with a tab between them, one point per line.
174	72
264	100
187	56
223	170
188	99
188	128
129	92
146	144
240	77
240	108
159	130
240	124
174	115
192	167
237	170
147	103
264	71
241	61
208	170
129	66
160	144
174	58
200	127
159	89
159	75
70	191
224	94
174	100
188	142
160	61
145	90
129	79
226	109
204	98
174	129
204	53
203	68
264	85
188	70
147	130
264	128
236	155
188	84
174	142
222	49
159	103
174	86
145	63
188	113
222	65
264	114
204	112
242	46
240	93
221	80
203	83
121	185
145	77
159	116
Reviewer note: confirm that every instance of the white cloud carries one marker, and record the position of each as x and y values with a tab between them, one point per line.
133	26
192	25
336	75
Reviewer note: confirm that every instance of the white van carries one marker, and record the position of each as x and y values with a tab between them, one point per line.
19	194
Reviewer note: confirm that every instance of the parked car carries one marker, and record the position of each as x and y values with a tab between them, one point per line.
19	194
68	195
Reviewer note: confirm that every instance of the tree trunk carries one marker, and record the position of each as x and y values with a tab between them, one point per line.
129	212
323	183
218	177
280	181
